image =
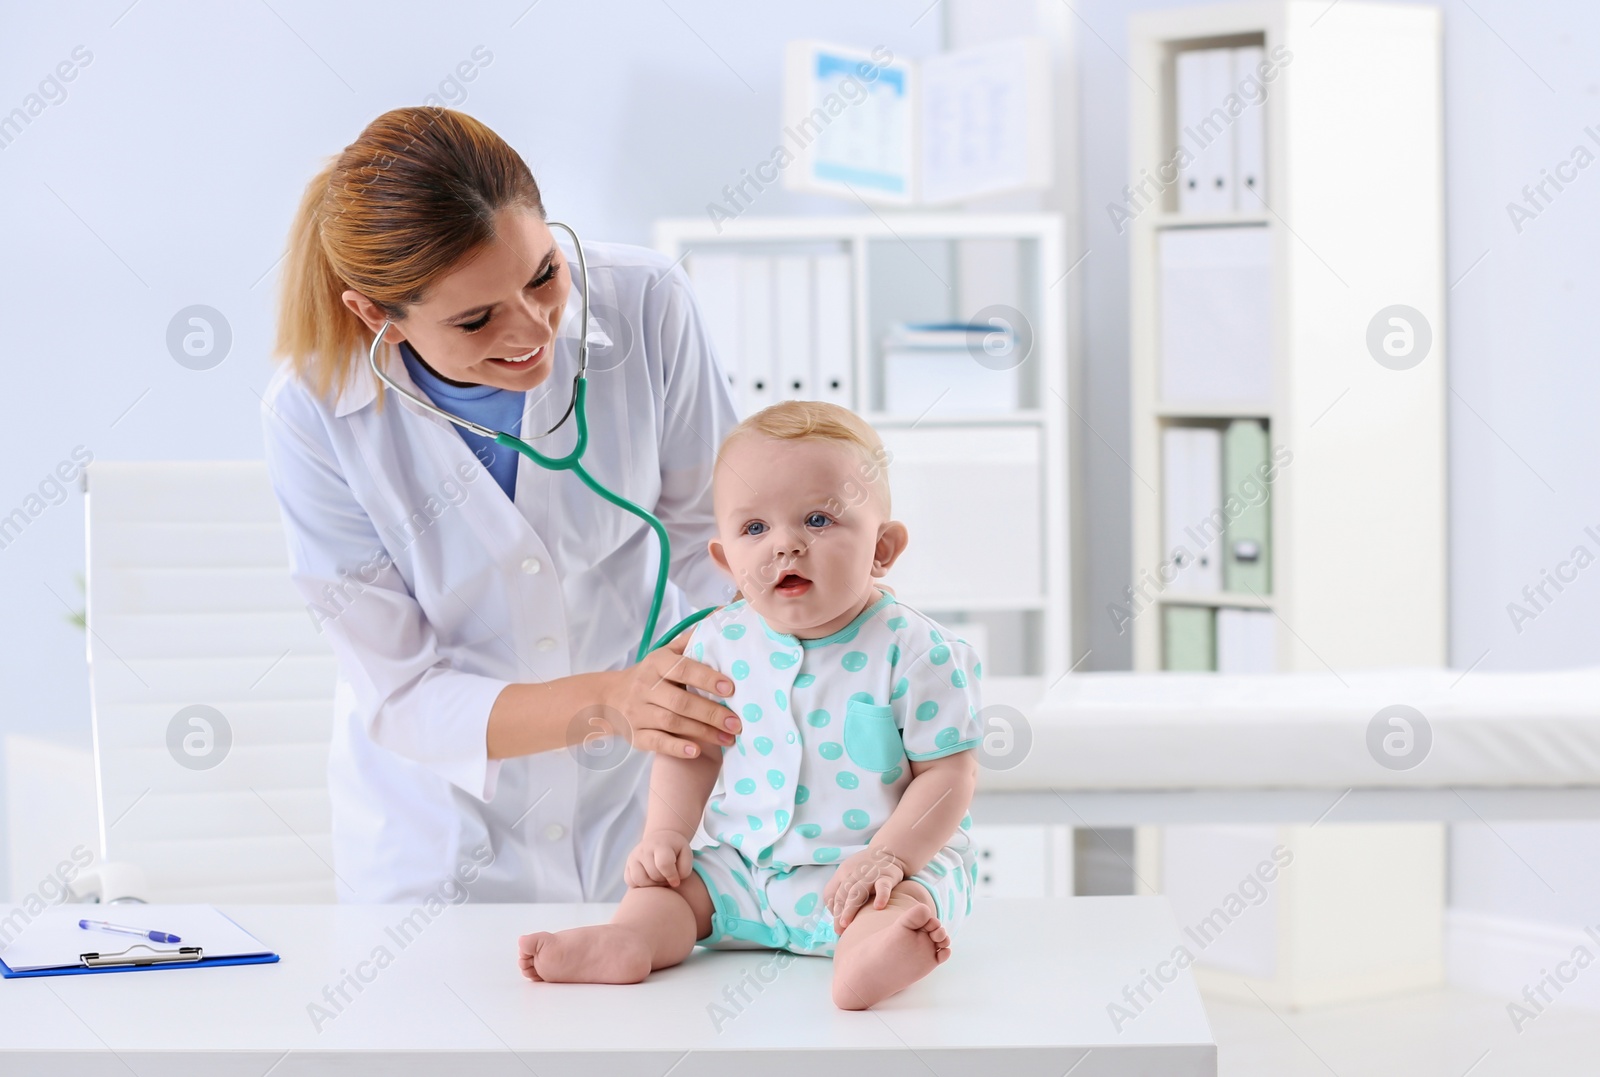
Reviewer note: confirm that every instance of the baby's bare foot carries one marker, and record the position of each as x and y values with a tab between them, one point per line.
602	954
892	959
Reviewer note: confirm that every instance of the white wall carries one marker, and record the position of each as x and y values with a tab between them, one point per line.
168	174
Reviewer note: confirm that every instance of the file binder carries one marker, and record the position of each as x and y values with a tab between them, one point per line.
1189	638
792	325
756	334
1249	138
833	336
1246	642
52	943
1247	548
715	278
1206	130
1191	482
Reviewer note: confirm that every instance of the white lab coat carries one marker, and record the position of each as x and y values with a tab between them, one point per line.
476	592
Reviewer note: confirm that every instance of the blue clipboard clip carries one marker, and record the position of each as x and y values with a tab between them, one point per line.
183	955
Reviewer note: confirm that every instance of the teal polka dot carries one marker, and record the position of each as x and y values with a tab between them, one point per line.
891	775
818	718
897	622
752	712
788	738
805	680
966	821
977	670
861	697
754	821
854	661
830	749
733	631
825	855
809	830
958	678
783	659
699	652
741	670
763	855
780	818
900	689
782	699
745	786
947	736
804	906
737	843
801	794
939	655
717	807
848	780
764	745
926	711
856	819
894	653
936	868
775	779
933	634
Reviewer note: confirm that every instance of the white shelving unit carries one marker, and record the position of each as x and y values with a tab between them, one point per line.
962	564
1353	213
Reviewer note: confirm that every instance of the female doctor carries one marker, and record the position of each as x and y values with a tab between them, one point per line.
484	612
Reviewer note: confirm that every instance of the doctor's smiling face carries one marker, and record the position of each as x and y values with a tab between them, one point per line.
803	528
492	318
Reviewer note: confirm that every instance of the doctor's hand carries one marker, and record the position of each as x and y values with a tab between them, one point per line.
661	714
662	858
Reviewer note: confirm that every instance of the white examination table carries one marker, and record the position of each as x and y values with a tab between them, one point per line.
1122	749
1026	990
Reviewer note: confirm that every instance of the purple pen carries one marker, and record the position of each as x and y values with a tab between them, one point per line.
153	936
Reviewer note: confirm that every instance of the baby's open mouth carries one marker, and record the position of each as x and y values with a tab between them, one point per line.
792	583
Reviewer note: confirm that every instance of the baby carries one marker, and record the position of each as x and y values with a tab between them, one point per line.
836	825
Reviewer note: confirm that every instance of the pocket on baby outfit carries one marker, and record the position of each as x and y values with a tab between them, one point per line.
871	739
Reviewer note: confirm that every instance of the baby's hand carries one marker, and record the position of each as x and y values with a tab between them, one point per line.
662	858
871	873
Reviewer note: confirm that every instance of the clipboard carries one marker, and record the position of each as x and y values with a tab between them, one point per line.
53	945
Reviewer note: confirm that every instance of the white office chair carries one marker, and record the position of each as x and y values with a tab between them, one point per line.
191	615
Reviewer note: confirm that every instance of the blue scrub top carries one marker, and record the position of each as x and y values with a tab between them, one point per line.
486	405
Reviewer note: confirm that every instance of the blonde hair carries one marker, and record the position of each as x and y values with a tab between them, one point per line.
403	204
817	420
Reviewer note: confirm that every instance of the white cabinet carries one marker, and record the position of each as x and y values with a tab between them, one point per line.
1022	860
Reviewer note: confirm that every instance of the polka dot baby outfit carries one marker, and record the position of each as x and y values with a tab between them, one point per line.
830	727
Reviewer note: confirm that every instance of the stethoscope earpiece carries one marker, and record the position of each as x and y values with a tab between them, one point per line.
583	357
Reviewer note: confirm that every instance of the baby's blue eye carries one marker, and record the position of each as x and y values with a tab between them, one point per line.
751	527
817	519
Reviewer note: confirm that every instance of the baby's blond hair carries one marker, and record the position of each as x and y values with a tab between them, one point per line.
817	420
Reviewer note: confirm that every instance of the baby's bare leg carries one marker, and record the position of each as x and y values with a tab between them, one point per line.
883	951
654	927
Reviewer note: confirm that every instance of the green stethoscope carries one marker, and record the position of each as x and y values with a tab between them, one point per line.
573	460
